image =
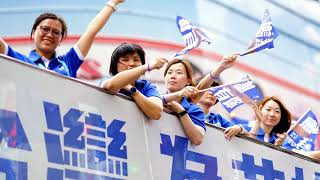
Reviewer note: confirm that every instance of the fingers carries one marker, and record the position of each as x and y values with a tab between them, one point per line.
159	63
189	91
229	133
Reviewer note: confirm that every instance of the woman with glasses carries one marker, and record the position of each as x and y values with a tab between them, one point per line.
126	66
47	33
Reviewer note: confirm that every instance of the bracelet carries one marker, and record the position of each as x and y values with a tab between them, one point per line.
182	113
112	5
214	78
148	68
164	101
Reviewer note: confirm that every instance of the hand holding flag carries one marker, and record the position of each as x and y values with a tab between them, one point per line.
306	129
265	36
233	95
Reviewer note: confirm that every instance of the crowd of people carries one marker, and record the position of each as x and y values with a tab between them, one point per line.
128	65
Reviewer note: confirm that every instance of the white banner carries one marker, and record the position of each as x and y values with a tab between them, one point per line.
53	127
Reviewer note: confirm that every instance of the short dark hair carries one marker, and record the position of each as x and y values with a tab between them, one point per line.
122	50
53	16
285	120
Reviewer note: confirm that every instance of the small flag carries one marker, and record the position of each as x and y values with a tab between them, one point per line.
236	94
193	36
303	134
265	36
89	70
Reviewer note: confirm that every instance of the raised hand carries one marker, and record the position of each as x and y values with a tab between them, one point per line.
157	63
188	91
228	61
281	137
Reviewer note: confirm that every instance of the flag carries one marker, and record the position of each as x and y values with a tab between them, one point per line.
193	36
265	36
89	70
236	94
303	134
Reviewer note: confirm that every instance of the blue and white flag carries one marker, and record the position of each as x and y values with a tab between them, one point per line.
303	134
265	36
192	35
236	94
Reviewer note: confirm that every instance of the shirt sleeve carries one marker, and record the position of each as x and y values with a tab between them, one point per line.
73	60
14	54
224	122
197	116
150	90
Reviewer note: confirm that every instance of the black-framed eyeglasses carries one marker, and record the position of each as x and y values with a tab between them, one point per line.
46	30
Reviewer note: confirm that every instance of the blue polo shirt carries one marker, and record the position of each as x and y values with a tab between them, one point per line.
67	64
218	120
145	87
194	111
261	134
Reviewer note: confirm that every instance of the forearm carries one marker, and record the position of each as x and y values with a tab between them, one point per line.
171	97
124	78
96	24
2	45
209	79
255	128
152	107
193	132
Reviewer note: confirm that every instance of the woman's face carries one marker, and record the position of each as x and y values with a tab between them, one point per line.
271	113
176	78
129	61
47	36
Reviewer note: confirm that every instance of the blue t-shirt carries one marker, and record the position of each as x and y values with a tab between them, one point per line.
218	120
261	134
67	64
194	111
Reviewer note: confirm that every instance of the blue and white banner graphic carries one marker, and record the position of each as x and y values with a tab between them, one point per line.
234	95
265	36
303	134
193	36
56	132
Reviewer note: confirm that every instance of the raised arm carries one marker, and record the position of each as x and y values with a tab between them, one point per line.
257	124
96	24
2	45
126	77
226	62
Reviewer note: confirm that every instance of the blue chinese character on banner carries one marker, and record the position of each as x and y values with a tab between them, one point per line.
84	144
181	155
250	169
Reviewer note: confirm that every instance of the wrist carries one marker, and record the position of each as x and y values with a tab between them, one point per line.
182	113
214	77
112	4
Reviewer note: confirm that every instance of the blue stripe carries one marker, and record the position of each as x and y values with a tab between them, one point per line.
96	133
96	142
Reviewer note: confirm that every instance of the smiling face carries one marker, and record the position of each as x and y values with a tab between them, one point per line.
46	37
271	113
176	77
